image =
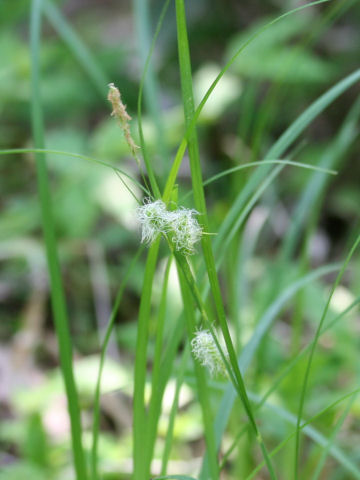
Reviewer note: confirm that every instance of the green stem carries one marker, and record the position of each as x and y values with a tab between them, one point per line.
199	198
311	356
48	225
140	420
202	387
156	391
109	329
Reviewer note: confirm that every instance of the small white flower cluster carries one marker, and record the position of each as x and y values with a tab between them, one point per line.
179	225
206	351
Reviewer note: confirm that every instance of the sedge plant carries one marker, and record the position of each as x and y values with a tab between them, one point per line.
202	331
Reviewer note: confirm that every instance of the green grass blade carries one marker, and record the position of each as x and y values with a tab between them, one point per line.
243	166
75	155
149	80
174	409
290	135
140	420
109	329
268	162
286	371
154	409
271	105
312	352
199	198
289	367
278	149
331	440
201	382
57	291
153	109
314	435
332	156
249	351
77	47
189	129
274	309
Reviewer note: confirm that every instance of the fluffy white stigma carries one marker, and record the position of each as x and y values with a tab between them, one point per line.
180	225
185	229
207	353
153	219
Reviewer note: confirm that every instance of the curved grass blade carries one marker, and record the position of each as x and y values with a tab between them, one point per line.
269	162
77	46
243	166
312	352
75	155
270	105
332	156
189	128
154	409
109	329
147	161
331	440
140	423
314	434
148	78
285	372
201	381
249	351
199	198
174	408
278	149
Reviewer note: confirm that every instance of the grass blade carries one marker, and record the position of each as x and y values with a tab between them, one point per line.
75	155
193	118
314	434
331	440
149	80
77	47
201	382
109	329
57	291
154	409
199	198
332	156
140	420
312	352
174	408
250	349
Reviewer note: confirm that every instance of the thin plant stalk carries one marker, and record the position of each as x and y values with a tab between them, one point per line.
202	387
199	198
156	392
57	291
140	417
109	329
312	353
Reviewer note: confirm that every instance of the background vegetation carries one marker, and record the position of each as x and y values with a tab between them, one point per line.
277	267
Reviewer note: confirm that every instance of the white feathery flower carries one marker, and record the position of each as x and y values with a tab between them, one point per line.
185	229
153	219
206	351
182	228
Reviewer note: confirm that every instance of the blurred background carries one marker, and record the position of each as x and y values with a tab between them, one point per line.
85	45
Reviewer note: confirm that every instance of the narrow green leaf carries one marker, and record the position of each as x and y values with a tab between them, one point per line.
250	349
75	155
140	420
57	291
312	352
109	329
77	47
